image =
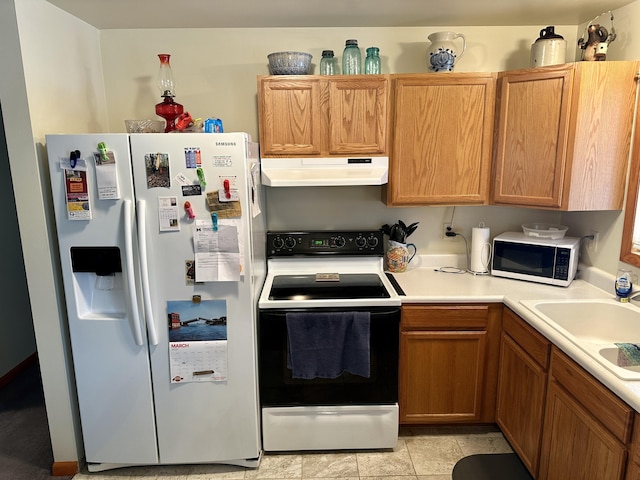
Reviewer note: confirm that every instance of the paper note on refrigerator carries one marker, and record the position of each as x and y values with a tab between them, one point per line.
217	252
198	361
168	214
77	192
106	176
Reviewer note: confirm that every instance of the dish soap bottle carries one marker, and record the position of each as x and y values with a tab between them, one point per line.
624	284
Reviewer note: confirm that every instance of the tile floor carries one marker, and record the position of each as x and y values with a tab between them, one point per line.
427	453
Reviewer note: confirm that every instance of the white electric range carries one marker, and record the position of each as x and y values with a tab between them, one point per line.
328	331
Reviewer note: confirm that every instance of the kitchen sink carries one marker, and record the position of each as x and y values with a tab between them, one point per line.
595	321
594	325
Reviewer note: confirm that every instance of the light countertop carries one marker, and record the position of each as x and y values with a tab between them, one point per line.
424	283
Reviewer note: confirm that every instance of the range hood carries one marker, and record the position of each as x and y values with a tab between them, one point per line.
324	172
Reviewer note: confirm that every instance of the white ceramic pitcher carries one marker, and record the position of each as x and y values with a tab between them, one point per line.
442	54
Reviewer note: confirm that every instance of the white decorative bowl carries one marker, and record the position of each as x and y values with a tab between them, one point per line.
289	63
544	230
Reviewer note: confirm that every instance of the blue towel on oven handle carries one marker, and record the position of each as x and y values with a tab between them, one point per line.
326	344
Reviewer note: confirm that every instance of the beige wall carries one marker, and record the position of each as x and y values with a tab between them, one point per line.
17	342
57	87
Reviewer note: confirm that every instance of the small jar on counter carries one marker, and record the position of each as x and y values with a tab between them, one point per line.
328	63
351	58
372	62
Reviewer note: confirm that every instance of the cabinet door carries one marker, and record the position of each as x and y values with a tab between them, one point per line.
442	137
603	108
532	135
290	116
575	445
441	376
633	472
358	115
521	394
633	463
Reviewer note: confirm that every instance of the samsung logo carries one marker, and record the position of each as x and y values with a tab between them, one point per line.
225	144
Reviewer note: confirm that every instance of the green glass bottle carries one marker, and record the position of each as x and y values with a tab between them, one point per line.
351	58
328	63
372	62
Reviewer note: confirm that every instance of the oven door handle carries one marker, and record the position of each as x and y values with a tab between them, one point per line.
375	313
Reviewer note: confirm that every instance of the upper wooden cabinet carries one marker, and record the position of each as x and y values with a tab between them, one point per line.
563	135
289	115
322	116
441	139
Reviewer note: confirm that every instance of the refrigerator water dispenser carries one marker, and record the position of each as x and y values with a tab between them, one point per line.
98	282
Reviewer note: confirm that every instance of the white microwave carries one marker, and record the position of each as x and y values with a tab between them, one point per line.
542	260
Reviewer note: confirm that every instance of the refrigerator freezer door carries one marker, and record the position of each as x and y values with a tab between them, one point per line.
198	422
110	354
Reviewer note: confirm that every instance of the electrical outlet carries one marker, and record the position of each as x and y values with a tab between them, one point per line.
594	243
446	227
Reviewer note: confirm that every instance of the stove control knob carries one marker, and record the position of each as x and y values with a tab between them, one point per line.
278	243
289	242
339	241
372	241
361	241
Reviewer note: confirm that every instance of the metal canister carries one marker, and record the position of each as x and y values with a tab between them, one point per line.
549	49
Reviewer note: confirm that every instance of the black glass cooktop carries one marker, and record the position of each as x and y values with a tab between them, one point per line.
327	286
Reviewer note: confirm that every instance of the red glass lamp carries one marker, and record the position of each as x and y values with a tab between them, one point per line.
167	109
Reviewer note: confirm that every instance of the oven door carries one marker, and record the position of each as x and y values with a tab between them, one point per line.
278	388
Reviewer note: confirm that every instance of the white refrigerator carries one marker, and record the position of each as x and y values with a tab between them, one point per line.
161	241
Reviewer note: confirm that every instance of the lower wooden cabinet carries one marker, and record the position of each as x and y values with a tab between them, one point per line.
522	386
576	446
586	427
448	363
560	420
473	364
633	464
633	471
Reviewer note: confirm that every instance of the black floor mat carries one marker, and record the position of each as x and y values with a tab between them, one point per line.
490	466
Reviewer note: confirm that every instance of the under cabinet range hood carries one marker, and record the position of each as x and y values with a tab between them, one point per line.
324	172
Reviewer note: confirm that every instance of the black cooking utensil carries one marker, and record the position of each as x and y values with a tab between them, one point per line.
399	232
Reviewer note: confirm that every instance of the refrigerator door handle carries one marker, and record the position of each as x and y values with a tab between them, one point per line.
127	205
146	292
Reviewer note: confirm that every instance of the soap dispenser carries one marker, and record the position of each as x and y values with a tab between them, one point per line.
624	284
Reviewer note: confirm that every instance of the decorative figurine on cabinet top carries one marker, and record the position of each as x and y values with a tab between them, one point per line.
595	45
